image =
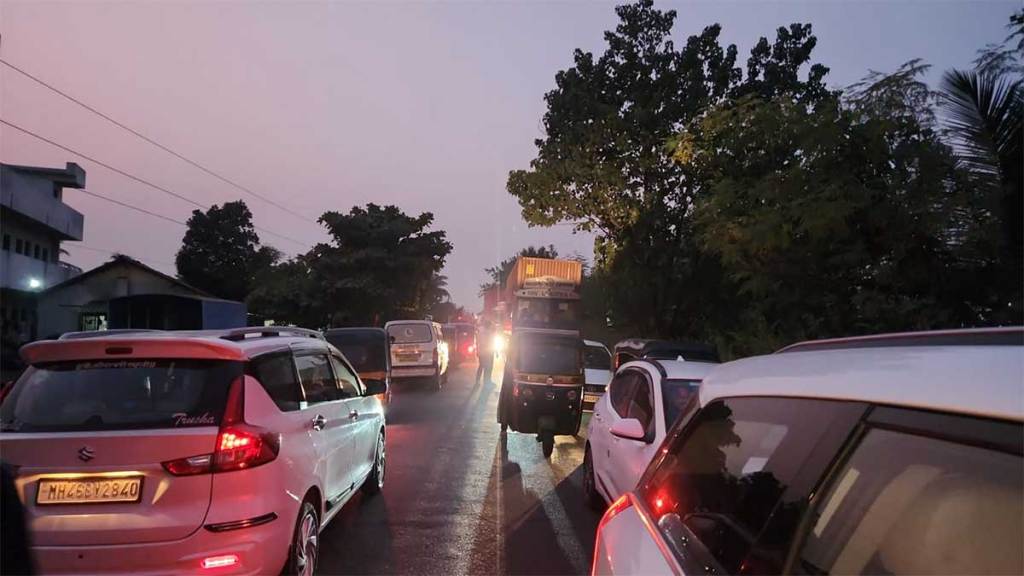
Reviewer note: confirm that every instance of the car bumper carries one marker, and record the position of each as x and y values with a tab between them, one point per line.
412	371
260	549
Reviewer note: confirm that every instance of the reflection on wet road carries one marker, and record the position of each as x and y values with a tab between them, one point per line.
458	500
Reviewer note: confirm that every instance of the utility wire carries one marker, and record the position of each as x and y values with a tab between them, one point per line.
131	207
177	155
140	180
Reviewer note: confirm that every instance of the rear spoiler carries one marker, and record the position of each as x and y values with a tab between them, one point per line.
129	348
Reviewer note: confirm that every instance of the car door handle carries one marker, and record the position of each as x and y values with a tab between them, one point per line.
353	414
319	422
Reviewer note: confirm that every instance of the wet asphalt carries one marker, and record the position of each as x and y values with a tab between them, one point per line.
457	500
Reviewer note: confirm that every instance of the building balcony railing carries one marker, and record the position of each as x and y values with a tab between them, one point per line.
21	272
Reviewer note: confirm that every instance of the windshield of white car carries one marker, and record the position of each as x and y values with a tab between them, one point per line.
410	333
597	358
675	395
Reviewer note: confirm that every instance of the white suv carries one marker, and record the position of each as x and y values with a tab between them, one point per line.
897	454
631	420
418	350
188	452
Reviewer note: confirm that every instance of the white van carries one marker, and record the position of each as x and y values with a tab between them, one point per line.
418	350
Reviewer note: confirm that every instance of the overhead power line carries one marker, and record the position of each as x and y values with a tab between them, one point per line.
131	207
170	151
141	181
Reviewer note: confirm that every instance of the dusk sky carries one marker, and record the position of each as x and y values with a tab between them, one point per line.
323	106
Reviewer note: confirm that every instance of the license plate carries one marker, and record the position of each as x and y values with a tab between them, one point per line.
89	490
591	397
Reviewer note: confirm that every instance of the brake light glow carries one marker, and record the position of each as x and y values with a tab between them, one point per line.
622	503
239	445
220	561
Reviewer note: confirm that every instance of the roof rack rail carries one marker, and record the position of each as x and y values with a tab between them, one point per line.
104	333
239	334
1001	336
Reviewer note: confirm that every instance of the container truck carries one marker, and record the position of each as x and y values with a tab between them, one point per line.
544	293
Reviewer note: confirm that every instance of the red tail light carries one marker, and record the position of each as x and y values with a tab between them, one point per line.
239	445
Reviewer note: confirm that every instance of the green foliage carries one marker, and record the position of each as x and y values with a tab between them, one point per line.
380	265
221	251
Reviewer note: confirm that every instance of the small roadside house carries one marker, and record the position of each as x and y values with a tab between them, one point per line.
125	293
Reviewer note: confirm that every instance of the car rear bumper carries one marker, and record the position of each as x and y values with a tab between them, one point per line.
412	371
260	549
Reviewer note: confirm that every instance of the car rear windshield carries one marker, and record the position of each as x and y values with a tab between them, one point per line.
597	358
366	352
410	333
118	395
547	355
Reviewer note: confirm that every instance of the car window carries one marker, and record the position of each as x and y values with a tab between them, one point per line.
549	355
277	375
906	504
641	405
366	352
620	391
347	381
597	358
119	395
675	395
721	480
316	377
410	333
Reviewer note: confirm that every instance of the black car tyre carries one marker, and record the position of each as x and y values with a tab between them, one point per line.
590	493
305	550
375	481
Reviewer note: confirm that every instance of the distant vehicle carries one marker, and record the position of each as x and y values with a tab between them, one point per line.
418	350
896	454
597	372
461	338
369	352
640	348
542	385
630	421
219	452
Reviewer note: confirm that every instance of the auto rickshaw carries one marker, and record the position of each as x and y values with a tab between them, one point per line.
369	352
542	387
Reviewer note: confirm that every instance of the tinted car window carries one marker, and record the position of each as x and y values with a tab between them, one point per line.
641	405
277	375
411	333
316	377
723	478
119	395
675	395
620	391
347	382
905	504
597	358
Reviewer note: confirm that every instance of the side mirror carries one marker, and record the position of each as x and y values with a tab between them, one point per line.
374	387
629	428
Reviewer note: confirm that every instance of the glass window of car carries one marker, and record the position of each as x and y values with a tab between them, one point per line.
412	333
119	395
597	358
620	391
277	375
550	355
365	351
907	504
721	480
316	377
348	384
675	395
641	406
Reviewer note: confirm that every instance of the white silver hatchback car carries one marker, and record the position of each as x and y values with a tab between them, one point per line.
897	454
189	452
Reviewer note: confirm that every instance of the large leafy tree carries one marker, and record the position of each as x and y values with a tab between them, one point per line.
381	264
603	163
221	252
984	113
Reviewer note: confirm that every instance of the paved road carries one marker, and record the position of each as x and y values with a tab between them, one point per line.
456	501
